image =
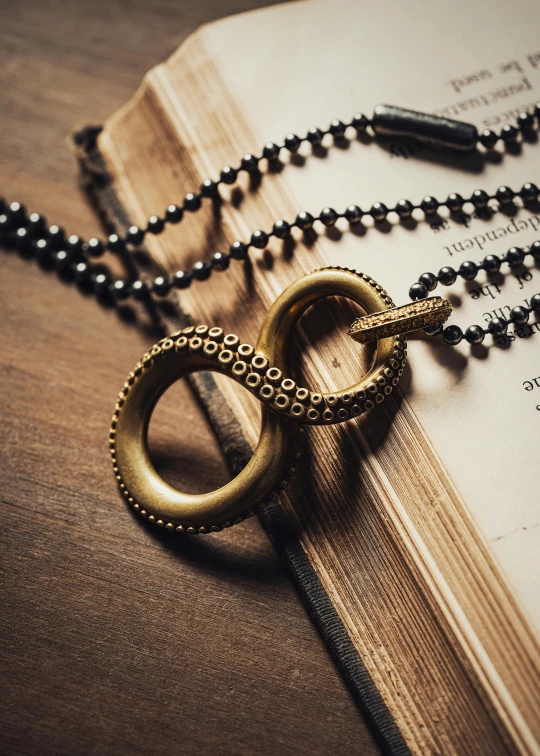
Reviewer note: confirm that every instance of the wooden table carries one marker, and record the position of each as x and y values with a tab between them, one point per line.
116	639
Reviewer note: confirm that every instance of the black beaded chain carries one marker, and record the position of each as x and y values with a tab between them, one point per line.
468	270
71	253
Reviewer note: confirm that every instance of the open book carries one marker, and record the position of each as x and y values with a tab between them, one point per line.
420	521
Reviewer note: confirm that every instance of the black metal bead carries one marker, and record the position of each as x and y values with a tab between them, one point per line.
519	315
220	261
135	235
534	250
353	214
229	175
192	202
36	225
249	163
525	121
17	213
418	291
42	248
304	220
56	236
3	206
173	214
429	206
161	286
209	188
22	238
447	276
428	280
468	270
201	271
140	290
480	199
101	283
115	243
81	272
491	263
292	142
62	259
537	111
434	330
5	225
328	216
454	202
504	195
182	279
281	229
315	137
271	151
514	257
529	192
120	290
75	244
488	139
452	335
497	326
155	225
474	334
337	129
238	250
404	209
509	133
360	122
259	239
535	302
94	247
378	212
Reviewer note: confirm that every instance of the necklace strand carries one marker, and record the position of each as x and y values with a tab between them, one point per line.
469	270
31	233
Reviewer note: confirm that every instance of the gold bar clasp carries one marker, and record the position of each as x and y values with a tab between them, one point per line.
399	320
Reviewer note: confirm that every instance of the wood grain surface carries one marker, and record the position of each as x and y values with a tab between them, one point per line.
117	639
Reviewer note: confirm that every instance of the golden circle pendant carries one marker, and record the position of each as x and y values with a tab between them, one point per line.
263	371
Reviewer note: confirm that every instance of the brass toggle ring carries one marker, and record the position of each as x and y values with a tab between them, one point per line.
263	371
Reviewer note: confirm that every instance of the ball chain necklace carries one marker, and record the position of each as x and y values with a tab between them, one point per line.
263	369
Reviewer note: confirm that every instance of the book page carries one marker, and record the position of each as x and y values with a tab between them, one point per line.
480	407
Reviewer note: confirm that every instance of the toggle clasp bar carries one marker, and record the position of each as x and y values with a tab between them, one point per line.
397	320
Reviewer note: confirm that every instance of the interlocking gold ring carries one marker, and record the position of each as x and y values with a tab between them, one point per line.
263	371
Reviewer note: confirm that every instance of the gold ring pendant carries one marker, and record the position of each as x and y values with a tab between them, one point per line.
262	370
